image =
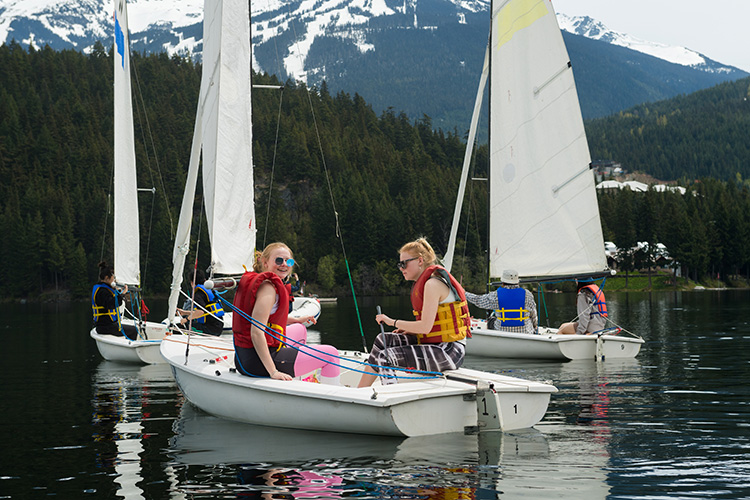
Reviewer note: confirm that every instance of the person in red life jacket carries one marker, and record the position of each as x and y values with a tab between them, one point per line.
207	315
592	311
432	342
515	308
105	304
264	296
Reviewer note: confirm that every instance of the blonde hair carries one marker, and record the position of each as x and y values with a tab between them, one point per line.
260	257
420	248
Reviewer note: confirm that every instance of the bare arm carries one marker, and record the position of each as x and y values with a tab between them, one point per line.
264	301
434	291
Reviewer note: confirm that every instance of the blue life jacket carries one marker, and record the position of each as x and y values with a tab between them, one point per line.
101	311
213	306
511	309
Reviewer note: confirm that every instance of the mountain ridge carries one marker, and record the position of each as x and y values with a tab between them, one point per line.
420	57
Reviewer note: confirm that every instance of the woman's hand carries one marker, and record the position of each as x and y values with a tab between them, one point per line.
279	375
384	319
303	320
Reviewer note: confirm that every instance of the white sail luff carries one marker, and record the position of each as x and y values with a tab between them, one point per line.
545	218
227	141
126	233
182	237
448	258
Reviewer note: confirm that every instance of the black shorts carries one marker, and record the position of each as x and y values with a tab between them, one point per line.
248	362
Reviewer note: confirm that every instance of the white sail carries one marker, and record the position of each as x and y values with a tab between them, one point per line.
227	135
126	237
223	133
543	208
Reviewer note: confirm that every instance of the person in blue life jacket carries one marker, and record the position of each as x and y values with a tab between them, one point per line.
105	304
592	311
207	316
514	307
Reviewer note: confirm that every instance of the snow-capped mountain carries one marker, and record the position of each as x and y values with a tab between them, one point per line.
174	26
595	30
422	57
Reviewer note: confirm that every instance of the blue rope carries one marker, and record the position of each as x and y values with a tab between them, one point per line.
286	341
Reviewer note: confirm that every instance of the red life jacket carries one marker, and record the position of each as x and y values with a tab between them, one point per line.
244	300
599	301
452	321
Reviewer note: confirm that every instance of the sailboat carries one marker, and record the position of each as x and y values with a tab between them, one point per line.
459	401
543	213
145	349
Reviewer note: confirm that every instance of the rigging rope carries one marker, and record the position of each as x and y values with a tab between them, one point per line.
333	202
302	348
273	167
153	149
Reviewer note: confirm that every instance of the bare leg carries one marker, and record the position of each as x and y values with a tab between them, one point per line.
367	378
567	328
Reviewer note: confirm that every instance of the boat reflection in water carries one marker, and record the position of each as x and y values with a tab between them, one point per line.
122	396
308	463
578	423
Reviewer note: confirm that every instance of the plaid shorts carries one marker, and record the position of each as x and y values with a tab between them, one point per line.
405	351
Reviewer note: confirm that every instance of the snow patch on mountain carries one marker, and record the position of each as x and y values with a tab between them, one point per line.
175	26
591	28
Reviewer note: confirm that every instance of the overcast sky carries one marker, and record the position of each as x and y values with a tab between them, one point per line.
719	29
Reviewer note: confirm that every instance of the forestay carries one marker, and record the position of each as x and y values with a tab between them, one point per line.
543	207
126	234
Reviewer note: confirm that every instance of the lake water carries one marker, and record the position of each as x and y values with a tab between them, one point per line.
672	423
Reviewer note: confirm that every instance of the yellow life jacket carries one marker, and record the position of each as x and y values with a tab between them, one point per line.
101	311
452	321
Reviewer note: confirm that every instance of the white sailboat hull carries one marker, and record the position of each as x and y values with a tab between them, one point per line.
121	349
422	407
548	345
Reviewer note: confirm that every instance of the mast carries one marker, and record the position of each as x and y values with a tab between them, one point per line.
489	145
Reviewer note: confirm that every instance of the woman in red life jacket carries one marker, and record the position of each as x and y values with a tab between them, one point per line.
432	342
592	311
263	295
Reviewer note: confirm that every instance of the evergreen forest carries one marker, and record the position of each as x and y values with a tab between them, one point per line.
343	186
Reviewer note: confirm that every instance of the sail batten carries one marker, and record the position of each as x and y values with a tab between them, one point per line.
543	208
126	231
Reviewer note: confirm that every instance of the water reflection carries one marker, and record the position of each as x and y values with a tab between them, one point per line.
121	403
262	462
673	423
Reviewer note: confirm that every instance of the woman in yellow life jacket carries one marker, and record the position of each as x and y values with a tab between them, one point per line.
431	342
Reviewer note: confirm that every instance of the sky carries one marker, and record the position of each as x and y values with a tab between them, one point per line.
718	29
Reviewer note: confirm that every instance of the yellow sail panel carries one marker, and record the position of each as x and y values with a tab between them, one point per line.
517	15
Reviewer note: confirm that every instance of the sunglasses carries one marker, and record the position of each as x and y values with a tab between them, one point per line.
280	260
403	263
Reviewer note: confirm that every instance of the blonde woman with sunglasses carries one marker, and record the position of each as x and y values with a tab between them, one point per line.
433	341
271	351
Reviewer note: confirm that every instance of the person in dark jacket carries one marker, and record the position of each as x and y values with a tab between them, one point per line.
105	304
